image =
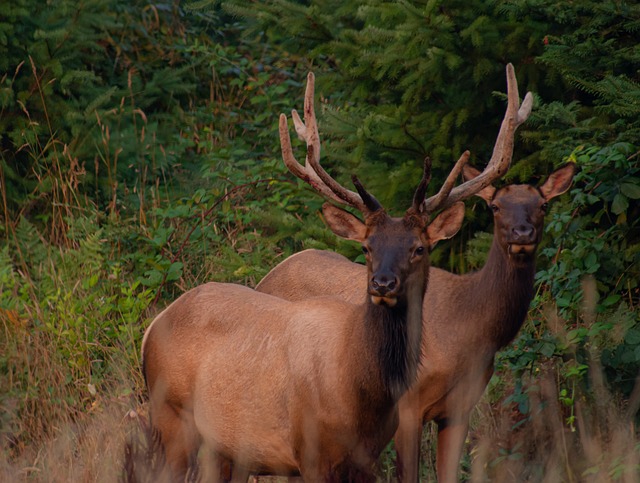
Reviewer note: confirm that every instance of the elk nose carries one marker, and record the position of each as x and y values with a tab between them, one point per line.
525	232
384	284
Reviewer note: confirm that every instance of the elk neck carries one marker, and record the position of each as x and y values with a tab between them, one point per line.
395	335
503	292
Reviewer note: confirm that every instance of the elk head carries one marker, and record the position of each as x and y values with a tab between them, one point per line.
396	249
518	211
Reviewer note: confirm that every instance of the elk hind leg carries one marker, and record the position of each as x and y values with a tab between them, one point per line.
179	439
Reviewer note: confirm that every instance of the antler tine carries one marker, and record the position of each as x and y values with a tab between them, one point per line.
515	115
501	157
312	173
421	190
442	199
341	194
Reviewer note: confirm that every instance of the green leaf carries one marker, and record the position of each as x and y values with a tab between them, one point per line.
611	300
620	204
153	278
632	337
547	349
175	271
591	262
630	190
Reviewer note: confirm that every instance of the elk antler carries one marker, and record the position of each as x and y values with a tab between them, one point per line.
312	173
500	160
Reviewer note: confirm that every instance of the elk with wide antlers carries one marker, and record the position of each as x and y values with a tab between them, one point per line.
466	318
304	388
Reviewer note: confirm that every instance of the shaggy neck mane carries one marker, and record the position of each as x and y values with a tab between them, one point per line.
396	334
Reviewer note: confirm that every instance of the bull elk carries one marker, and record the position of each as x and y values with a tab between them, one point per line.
466	318
307	388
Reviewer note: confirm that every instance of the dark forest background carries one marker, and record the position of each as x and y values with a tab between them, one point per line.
139	157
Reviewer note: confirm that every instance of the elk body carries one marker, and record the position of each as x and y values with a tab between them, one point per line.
466	318
306	388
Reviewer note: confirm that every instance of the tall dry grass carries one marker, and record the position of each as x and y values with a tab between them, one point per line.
600	446
585	434
70	431
86	448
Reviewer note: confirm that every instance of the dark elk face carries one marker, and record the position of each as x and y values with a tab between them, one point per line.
518	216
518	211
393	250
396	249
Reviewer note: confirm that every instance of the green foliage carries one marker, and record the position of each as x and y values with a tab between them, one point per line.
409	79
591	50
69	325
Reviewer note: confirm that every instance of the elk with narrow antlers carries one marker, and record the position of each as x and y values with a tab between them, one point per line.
466	319
304	388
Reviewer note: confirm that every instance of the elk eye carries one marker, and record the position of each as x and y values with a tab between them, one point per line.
544	207
365	250
494	208
419	251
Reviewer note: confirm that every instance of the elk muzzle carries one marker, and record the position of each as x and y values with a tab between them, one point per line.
383	289
523	240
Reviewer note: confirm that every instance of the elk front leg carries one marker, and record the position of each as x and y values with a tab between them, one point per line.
407	440
239	474
451	436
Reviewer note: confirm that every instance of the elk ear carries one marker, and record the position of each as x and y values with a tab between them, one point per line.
469	172
446	224
343	223
559	181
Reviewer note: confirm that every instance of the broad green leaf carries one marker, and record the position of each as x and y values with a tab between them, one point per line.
610	300
632	337
620	204
630	190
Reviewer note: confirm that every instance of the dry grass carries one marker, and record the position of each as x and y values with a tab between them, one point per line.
601	446
91	449
548	445
592	439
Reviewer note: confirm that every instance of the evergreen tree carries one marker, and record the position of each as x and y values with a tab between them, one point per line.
406	79
414	78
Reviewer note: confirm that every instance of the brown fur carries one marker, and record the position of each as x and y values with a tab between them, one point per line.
466	319
290	388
